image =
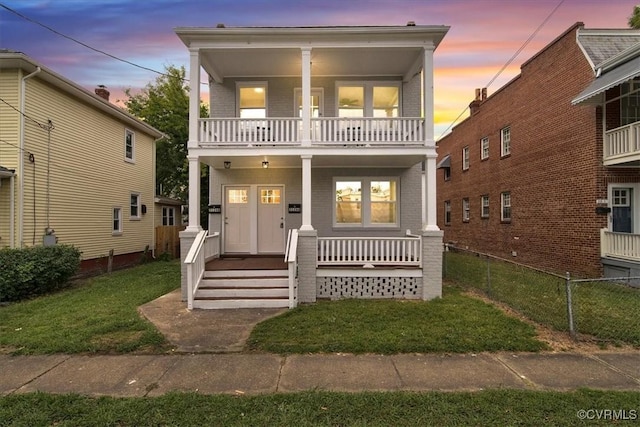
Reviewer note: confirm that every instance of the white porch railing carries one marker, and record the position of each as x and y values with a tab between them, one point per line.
291	258
622	141
324	131
620	245
203	249
401	251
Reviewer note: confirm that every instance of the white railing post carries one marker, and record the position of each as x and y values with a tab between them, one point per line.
195	263
291	258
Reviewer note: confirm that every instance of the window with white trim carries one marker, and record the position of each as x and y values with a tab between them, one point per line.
117	221
465	158
252	100
465	210
129	145
368	99
134	212
168	216
484	202
447	212
484	148
366	202
505	206
505	141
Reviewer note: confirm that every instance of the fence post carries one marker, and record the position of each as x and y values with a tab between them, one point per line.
489	276
572	331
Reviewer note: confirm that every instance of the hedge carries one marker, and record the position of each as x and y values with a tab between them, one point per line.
36	270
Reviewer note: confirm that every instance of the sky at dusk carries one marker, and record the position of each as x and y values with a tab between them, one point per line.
484	34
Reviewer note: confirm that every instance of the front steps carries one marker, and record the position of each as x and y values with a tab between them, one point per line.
243	289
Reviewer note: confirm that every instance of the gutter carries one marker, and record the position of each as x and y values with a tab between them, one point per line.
21	156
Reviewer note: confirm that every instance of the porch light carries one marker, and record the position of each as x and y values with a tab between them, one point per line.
265	164
227	164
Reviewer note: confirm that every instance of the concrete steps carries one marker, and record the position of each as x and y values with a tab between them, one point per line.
243	289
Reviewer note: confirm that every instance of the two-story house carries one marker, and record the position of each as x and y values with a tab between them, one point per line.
320	147
525	176
74	168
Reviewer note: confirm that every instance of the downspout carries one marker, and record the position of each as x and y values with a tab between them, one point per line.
21	156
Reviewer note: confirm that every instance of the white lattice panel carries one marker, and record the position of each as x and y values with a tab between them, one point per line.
369	287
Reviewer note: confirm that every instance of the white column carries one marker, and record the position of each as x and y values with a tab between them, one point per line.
194	97
427	98
306	193
306	96
429	196
194	194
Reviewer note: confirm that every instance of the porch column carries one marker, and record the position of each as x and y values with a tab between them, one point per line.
429	195
427	87
194	97
306	193
194	194
306	96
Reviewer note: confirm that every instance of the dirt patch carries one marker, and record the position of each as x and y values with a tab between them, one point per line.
556	340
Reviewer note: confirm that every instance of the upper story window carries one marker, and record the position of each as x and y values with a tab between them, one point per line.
484	148
465	210
134	212
168	216
447	212
252	100
506	207
630	102
465	158
366	202
368	99
484	201
505	141
129	145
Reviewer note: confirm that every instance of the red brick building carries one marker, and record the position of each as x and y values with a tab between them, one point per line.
524	175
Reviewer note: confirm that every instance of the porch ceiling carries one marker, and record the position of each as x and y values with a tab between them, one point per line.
317	161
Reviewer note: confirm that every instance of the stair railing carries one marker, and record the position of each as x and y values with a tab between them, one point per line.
195	263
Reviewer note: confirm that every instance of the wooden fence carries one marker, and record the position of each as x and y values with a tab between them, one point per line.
168	240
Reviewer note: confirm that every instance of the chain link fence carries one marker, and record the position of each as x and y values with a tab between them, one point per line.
605	309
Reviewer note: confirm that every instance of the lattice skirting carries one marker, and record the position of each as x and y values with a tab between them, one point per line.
369	287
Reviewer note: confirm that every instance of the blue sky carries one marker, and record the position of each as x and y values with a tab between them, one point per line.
484	34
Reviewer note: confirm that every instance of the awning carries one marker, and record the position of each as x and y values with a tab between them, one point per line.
445	162
618	75
6	173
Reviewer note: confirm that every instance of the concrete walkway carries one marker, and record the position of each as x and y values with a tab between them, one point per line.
209	359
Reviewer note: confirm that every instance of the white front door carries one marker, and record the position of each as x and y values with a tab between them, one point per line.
270	220
254	219
237	232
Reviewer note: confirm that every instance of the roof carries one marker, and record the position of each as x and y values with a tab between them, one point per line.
17	60
167	201
616	76
600	45
6	173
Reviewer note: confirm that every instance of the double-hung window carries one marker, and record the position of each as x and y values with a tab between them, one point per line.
505	141
506	207
484	148
465	158
134	212
447	212
366	202
117	221
168	216
252	100
368	99
129	145
465	210
484	201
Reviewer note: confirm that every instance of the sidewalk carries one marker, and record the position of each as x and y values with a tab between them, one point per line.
209	359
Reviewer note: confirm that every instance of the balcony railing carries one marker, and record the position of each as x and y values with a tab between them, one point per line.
373	251
622	145
324	131
620	245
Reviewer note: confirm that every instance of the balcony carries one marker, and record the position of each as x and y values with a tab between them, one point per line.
622	146
620	245
339	132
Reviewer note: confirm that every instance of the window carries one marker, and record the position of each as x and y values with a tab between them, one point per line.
368	202
484	148
117	221
629	102
447	212
129	144
484	201
465	158
370	99
465	210
252	100
505	141
270	197
506	207
447	174
135	206
168	216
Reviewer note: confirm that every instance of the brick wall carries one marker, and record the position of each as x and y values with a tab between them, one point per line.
554	172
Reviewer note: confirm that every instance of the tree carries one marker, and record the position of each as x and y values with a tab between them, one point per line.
634	19
164	104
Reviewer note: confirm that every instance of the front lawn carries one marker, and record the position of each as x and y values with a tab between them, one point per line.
97	315
455	323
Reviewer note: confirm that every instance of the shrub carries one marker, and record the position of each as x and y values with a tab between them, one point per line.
36	270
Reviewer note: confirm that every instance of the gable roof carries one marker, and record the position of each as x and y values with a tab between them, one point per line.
600	45
18	60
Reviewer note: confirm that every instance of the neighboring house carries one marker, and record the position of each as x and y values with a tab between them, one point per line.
319	132
76	169
525	176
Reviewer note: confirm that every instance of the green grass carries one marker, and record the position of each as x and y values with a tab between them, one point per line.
456	323
98	315
484	408
602	310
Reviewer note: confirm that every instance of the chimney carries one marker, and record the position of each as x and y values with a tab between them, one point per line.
481	96
102	92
